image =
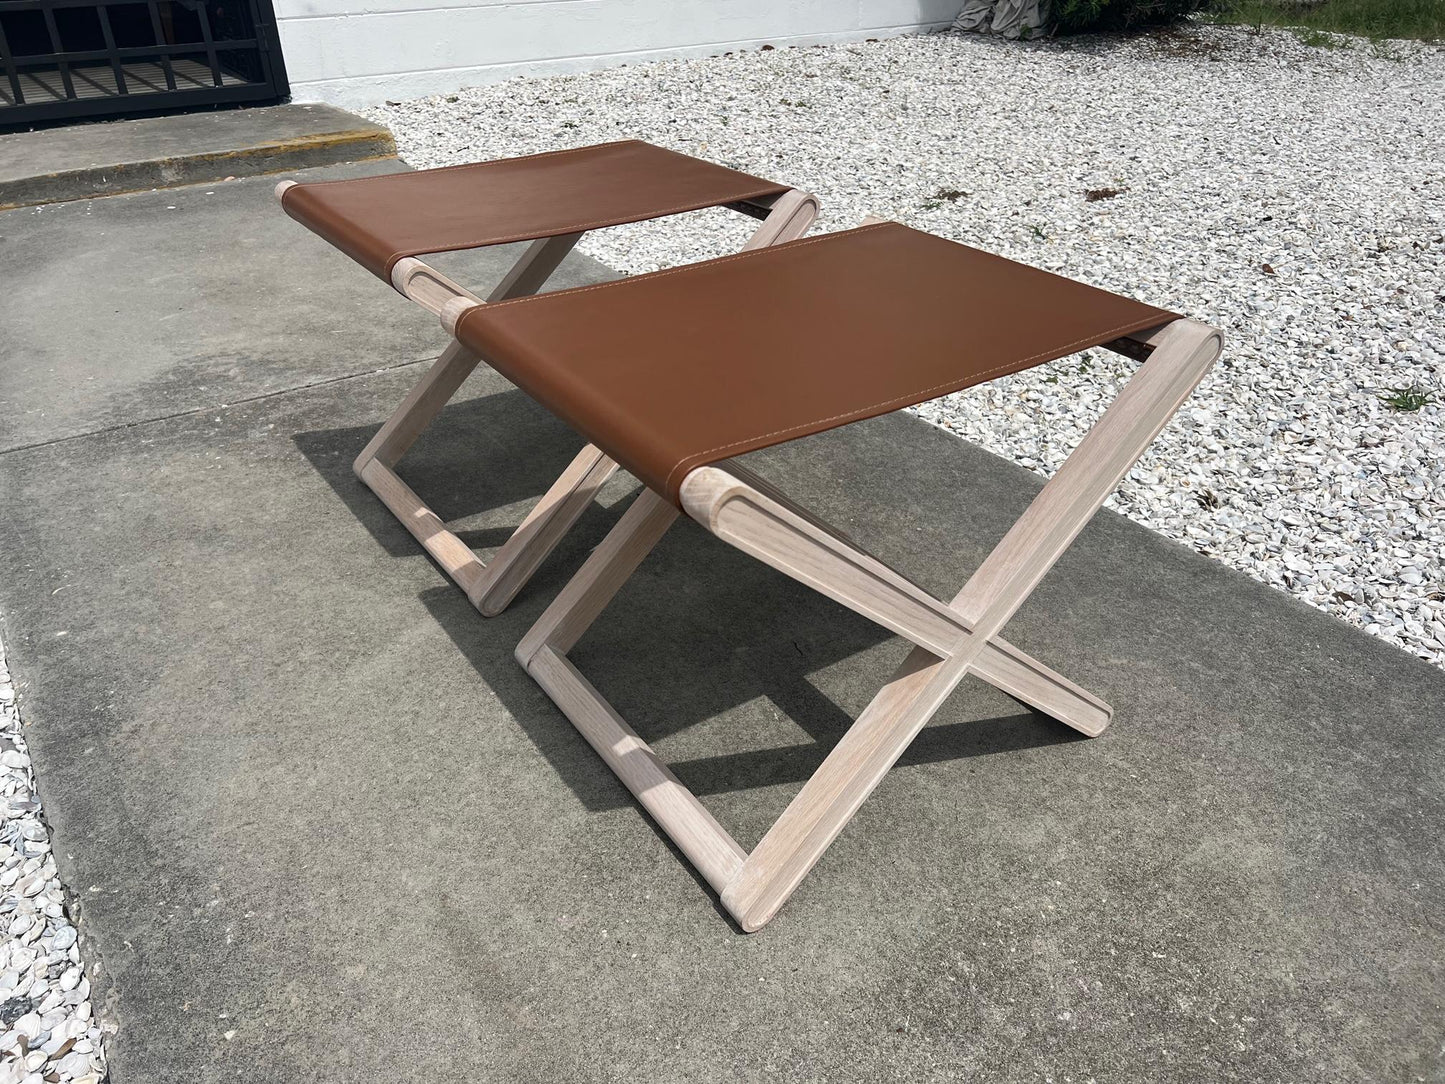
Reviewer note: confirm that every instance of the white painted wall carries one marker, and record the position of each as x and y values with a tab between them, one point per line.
359	52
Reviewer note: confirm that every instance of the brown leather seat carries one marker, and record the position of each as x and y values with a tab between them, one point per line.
670	371
378	220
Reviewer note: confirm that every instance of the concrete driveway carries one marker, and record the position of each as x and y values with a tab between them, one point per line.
320	826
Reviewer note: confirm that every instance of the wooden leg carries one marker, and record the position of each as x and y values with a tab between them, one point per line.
600	577
455	556
489	586
492	585
543	651
531	272
746	512
546	525
419	409
1007	576
953	638
425	401
714	853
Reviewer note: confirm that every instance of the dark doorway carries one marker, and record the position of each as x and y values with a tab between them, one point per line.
61	59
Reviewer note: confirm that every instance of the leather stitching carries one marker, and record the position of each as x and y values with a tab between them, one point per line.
778	250
909	399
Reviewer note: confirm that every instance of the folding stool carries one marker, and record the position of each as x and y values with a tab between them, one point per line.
386	222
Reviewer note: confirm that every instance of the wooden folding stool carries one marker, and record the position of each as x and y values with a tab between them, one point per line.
386	222
674	373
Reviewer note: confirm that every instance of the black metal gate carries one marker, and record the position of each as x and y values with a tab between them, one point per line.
88	58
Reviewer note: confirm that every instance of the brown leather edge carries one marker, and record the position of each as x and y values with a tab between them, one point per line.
683	467
296	202
311	215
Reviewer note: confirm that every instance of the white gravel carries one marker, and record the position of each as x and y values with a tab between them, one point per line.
1291	195
48	1032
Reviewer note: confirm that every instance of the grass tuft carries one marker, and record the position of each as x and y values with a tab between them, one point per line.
1320	39
1316	20
1406	399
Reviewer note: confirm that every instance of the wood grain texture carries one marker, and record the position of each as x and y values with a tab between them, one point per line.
428	287
539	533
531	272
695	831
600	577
729	501
419	409
789	218
455	556
1183	354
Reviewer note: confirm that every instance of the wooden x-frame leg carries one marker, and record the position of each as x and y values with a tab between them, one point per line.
952	639
492	585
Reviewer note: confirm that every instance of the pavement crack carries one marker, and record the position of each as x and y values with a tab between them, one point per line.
243	401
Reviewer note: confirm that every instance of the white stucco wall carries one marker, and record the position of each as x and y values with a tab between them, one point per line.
359	52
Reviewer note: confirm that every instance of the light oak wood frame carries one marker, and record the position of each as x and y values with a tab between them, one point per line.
491	585
951	638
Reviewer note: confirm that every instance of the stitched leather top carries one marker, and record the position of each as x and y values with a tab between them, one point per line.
670	371
378	220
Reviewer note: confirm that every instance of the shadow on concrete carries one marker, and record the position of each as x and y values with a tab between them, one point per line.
246	684
738	632
701	635
480	455
322	827
668	665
